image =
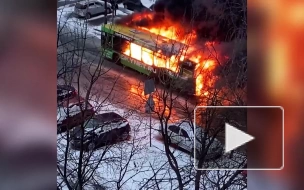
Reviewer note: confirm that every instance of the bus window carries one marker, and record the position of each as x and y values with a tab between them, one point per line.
107	41
147	56
159	60
135	51
119	44
125	48
116	43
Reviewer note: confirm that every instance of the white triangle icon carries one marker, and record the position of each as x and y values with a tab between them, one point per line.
235	138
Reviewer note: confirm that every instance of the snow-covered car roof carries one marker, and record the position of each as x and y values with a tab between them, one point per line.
73	101
185	125
73	110
108	117
65	88
85	2
64	92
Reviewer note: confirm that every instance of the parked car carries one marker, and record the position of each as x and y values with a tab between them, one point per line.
69	114
182	135
65	92
89	8
101	130
134	5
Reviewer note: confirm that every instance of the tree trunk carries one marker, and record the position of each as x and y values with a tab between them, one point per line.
106	11
197	180
198	175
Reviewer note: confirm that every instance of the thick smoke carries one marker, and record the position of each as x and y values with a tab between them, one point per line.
175	10
211	19
165	12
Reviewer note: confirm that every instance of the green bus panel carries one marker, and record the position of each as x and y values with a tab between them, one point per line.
129	63
108	53
107	29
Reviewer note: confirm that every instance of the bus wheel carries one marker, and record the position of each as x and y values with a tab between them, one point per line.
116	59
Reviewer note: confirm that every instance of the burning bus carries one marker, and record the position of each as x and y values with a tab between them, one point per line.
158	53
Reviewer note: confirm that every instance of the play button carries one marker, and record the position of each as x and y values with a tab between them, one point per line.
235	138
241	132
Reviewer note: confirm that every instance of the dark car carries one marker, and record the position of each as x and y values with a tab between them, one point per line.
101	130
134	5
73	112
65	92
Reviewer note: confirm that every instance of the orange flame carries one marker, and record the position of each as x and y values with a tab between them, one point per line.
202	68
151	58
173	31
157	59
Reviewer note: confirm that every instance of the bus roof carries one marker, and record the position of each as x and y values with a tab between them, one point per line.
146	39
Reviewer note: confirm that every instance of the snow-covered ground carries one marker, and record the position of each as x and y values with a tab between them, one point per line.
66	18
137	159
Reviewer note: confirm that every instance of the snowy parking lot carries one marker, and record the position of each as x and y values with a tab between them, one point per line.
66	18
137	160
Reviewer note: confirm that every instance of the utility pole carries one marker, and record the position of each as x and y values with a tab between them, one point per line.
149	108
150	126
149	89
106	11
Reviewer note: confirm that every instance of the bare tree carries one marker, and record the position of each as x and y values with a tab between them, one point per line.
79	68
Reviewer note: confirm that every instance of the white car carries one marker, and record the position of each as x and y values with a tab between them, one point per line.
89	8
182	134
